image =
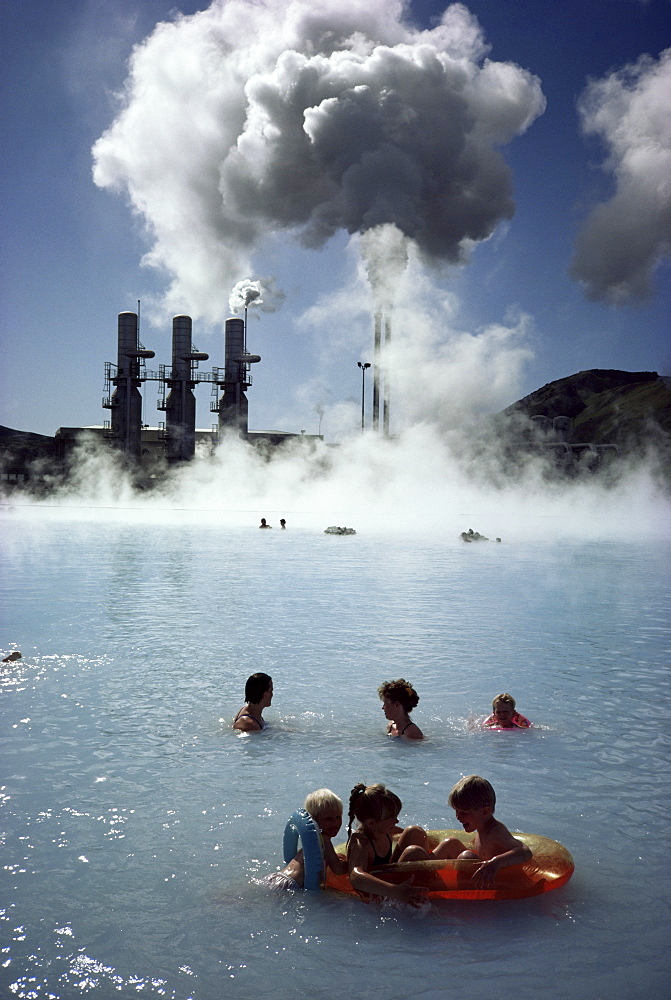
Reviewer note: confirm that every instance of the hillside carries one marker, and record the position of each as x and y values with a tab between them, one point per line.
628	409
21	448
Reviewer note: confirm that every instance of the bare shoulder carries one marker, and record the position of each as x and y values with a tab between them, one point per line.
501	839
359	851
413	732
246	724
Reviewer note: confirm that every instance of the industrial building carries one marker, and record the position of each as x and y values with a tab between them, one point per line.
175	439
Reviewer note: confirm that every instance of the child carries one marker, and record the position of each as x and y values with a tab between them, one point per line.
473	800
258	695
377	810
398	700
326	810
504	715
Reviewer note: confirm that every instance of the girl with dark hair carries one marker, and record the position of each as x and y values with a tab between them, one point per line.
398	700
258	695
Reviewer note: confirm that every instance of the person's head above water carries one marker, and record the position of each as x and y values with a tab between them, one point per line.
257	686
372	802
503	707
472	792
326	809
399	691
322	800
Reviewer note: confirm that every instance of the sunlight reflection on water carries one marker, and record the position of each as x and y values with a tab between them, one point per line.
136	820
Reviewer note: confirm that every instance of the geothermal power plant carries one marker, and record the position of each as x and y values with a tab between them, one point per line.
177	383
605	402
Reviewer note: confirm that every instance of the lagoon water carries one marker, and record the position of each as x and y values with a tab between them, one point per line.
137	822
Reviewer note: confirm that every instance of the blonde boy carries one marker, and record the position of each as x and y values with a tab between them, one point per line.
326	810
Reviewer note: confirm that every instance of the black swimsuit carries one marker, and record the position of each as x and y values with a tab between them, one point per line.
379	859
245	715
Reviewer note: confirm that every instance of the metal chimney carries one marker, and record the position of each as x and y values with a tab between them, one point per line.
233	406
180	406
385	403
126	401
376	370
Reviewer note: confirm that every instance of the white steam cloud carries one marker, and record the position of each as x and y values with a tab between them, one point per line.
384	250
624	239
247	119
262	295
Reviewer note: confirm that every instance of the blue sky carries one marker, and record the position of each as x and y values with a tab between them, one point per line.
73	248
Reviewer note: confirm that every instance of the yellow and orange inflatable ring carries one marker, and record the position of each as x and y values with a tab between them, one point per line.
550	867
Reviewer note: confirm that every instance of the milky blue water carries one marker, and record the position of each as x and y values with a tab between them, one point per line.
136	821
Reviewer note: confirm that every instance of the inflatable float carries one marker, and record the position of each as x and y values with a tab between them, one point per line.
550	867
301	826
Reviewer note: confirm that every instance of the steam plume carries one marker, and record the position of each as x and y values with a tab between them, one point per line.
261	295
385	253
248	119
625	238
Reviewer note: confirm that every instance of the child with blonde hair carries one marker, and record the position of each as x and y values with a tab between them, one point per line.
504	715
377	810
326	810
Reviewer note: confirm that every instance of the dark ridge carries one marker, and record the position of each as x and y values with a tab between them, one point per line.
606	406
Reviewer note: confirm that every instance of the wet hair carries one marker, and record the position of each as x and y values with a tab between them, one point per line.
321	801
399	691
472	792
372	802
507	698
256	687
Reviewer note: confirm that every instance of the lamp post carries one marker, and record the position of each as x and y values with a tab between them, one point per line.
363	367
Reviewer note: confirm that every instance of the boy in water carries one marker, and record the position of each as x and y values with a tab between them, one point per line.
473	800
326	810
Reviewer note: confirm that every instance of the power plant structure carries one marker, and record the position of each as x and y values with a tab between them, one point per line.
126	402
180	405
233	407
552	436
382	325
177	382
176	437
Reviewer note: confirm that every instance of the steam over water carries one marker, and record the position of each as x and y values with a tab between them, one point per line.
136	821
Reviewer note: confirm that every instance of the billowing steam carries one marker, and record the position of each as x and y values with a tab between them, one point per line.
384	250
263	295
624	239
244	120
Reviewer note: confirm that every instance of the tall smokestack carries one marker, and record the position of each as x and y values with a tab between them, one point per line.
126	401
233	406
180	405
376	370
387	341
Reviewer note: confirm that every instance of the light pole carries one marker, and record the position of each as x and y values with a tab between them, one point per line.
363	367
